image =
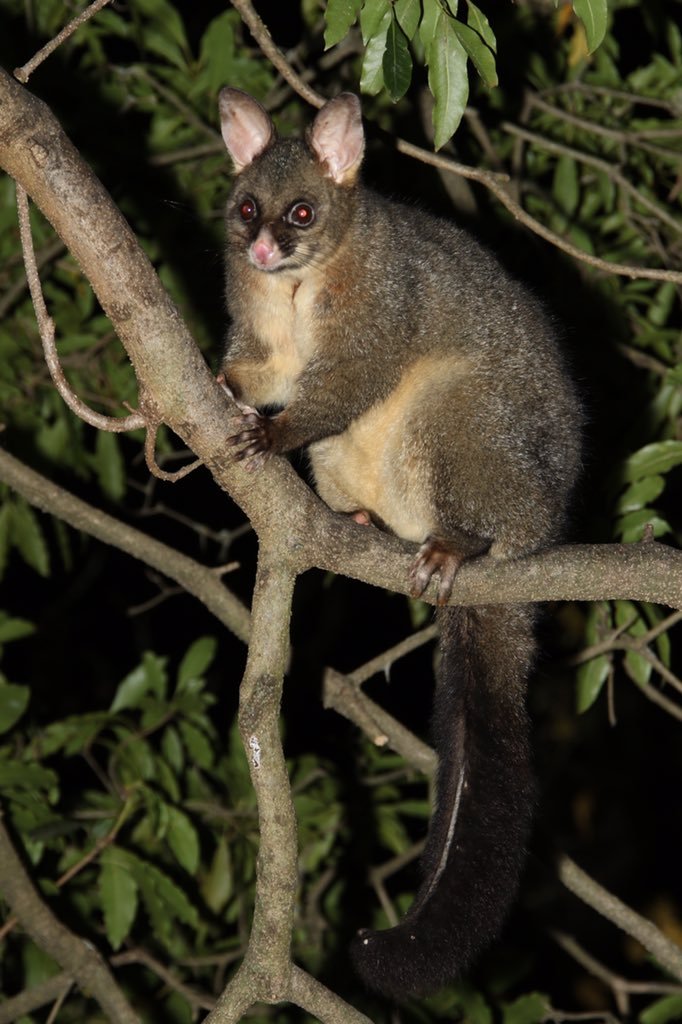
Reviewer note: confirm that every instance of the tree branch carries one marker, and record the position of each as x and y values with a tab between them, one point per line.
47	335
80	959
197	579
23	73
668	954
15	1007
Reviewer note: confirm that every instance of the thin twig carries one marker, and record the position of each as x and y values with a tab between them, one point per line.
621	987
382	729
656	697
628	138
15	291
632	98
13	1008
560	149
152	464
667	953
383	661
24	72
59	1001
197	999
47	334
260	33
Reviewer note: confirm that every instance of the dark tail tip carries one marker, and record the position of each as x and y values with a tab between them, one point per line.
399	962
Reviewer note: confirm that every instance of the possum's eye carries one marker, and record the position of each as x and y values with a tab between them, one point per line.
301	215
248	210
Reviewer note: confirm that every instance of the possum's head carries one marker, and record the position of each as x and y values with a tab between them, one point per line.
292	199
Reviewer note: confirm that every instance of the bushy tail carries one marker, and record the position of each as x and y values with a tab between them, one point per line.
476	843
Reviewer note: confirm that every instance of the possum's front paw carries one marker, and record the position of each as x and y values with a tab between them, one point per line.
254	436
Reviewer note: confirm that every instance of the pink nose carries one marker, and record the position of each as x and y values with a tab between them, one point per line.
263	252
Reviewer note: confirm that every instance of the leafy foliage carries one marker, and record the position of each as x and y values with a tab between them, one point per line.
441	38
155	843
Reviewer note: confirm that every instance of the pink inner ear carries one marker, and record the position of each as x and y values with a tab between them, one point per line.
337	136
246	128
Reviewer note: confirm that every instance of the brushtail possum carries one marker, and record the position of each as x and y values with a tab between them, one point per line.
428	389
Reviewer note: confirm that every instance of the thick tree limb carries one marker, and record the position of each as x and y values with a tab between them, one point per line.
267	973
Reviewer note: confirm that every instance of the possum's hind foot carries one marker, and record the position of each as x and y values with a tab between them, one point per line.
437	555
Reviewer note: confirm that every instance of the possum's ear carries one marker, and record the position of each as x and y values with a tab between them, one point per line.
337	139
247	128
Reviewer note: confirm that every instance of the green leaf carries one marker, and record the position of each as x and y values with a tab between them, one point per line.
73	735
38	966
14	629
528	1009
197	659
182	838
166	904
478	21
149	677
165	32
396	62
590	679
660	309
630	527
135	758
30	777
172	749
654	615
478	51
164	898
429	22
663	1010
167	779
408	13
373	17
372	77
118	894
13	702
218	49
640	494
217	884
27	535
339	16
627	617
390	828
593	14
566	188
109	465
592	675
447	59
652	459
196	744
